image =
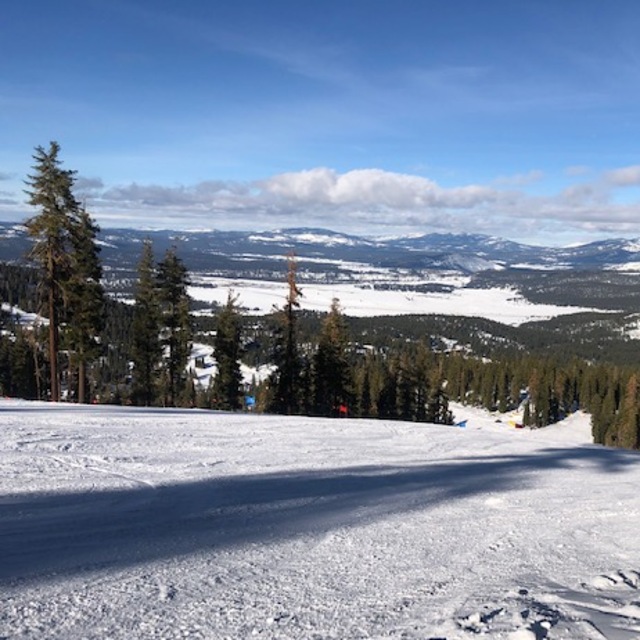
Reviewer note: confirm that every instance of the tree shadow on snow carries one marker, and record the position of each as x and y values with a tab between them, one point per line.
65	534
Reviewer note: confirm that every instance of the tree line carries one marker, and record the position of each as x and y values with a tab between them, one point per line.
90	348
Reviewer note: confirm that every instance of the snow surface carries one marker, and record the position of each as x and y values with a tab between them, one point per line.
329	239
23	318
627	266
146	523
202	354
504	305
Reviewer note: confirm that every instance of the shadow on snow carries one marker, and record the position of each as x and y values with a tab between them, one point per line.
64	534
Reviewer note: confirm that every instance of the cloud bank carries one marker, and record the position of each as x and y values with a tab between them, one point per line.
319	196
375	202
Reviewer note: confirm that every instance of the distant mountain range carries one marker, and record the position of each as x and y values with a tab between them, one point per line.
254	254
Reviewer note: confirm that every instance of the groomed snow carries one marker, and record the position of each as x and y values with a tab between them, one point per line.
503	305
128	523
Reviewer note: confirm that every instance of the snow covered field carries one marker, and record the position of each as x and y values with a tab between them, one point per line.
128	523
504	305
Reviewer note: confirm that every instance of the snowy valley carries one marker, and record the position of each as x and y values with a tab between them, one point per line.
439	274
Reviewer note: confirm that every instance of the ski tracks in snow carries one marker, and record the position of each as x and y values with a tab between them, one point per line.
607	607
146	524
89	463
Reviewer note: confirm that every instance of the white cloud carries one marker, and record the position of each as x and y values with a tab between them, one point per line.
356	201
85	183
87	187
201	196
368	201
577	170
360	192
583	194
624	177
373	188
520	179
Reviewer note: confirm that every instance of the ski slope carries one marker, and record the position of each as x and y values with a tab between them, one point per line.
126	523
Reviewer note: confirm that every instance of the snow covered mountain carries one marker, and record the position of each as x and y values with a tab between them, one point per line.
239	250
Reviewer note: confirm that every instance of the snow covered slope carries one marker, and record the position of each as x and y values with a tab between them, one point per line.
144	523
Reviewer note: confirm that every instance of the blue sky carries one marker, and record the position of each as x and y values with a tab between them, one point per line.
512	118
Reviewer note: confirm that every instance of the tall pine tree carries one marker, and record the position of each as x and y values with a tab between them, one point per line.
286	382
172	282
85	300
333	376
226	392
146	347
51	190
628	420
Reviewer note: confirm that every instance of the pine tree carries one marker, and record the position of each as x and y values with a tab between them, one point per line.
365	404
226	391
628	421
146	347
503	389
605	431
544	403
285	384
23	378
51	190
85	301
5	365
365	398
422	363
387	400
114	367
516	385
406	388
489	388
599	397
333	378
305	390
438	403
172	282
